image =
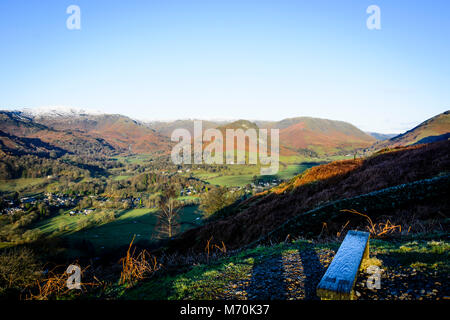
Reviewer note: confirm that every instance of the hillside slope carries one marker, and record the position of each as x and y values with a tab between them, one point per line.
121	132
431	130
382	136
167	127
298	136
323	184
325	137
13	145
83	133
18	126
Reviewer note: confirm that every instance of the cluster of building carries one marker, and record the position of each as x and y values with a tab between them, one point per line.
188	191
265	184
79	212
59	200
11	210
54	200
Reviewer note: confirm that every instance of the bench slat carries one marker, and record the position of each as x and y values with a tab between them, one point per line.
339	279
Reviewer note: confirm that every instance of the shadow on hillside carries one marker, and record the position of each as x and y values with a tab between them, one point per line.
301	167
268	280
436	138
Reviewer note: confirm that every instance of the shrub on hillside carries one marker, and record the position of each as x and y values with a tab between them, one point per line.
19	270
217	199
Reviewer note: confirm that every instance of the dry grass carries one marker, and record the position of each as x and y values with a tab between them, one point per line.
55	285
376	229
214	249
320	173
136	267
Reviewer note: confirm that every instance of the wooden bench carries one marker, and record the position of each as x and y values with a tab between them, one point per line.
339	279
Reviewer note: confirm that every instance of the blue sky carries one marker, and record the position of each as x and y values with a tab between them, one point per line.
264	60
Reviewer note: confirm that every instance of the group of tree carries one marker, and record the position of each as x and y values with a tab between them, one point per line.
151	183
218	198
18	227
29	166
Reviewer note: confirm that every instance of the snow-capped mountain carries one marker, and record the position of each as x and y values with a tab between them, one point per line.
58	111
72	128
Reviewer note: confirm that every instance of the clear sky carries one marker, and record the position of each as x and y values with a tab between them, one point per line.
261	60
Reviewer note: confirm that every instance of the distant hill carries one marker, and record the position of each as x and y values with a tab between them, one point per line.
298	136
84	133
123	133
167	127
20	133
309	136
239	124
319	136
13	145
431	130
382	136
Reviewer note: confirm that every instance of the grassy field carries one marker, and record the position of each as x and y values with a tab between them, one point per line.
235	181
22	184
241	175
122	177
187	198
134	159
5	245
292	170
231	175
139	222
239	180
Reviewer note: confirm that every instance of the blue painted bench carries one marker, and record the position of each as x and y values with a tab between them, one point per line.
339	279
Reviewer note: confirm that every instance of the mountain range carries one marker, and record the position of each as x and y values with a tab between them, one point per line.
58	131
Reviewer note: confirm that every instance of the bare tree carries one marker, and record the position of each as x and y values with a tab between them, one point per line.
169	212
